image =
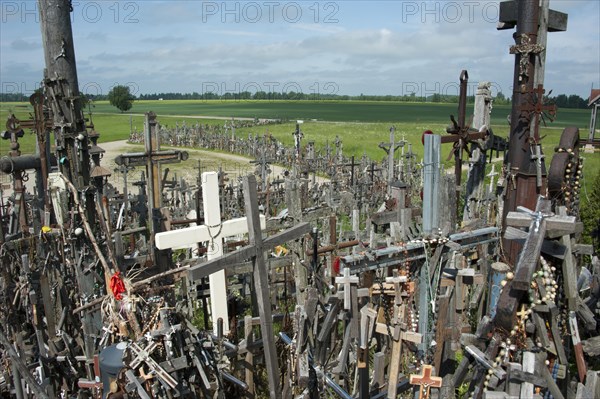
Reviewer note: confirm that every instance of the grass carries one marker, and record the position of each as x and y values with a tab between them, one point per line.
330	111
361	125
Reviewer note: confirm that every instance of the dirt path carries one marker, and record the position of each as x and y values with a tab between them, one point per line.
234	165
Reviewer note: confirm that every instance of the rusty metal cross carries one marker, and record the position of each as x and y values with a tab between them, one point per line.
460	133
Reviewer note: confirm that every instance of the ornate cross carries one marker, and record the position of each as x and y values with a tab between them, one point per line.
425	381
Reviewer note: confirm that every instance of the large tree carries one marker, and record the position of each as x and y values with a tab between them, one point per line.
121	97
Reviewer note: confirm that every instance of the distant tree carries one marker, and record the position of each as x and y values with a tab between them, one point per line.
85	100
121	97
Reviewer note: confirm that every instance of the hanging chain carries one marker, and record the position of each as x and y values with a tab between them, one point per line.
212	237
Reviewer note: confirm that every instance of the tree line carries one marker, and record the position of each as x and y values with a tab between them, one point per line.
561	100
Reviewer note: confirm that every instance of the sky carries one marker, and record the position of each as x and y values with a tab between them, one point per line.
332	47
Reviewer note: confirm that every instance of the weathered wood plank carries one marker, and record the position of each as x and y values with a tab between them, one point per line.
261	279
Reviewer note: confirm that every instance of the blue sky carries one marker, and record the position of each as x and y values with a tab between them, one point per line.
343	47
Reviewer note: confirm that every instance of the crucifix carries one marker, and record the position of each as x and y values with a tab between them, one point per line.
13	133
214	231
298	135
352	164
152	158
460	133
263	164
142	355
256	251
539	221
527	101
41	125
425	381
390	148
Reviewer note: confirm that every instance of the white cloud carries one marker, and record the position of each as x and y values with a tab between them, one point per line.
375	47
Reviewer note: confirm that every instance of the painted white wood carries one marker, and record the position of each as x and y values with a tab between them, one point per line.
213	232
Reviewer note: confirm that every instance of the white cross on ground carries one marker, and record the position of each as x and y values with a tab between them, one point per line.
213	231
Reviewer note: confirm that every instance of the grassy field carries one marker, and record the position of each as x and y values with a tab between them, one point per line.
329	111
360	125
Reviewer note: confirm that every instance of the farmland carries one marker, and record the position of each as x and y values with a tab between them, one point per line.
361	125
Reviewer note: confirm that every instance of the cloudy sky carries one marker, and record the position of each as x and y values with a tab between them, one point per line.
344	47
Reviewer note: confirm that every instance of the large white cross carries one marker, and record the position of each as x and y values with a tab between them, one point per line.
214	232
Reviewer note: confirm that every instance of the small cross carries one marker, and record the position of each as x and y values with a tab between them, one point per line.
346	280
397	280
523	313
425	381
538	157
96	384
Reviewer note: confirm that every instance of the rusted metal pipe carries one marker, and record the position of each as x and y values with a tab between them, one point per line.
331	248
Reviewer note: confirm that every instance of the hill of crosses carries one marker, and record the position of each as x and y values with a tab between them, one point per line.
315	274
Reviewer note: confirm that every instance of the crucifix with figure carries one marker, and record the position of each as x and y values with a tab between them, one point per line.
213	231
425	381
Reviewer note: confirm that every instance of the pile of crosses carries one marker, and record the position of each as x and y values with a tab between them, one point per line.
195	290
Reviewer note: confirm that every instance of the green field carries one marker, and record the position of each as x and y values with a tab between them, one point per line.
361	125
329	111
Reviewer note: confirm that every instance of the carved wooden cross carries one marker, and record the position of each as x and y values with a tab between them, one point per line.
425	381
352	164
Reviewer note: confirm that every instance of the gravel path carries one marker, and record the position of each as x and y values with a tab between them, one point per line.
233	165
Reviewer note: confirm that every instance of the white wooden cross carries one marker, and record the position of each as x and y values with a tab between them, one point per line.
346	280
213	231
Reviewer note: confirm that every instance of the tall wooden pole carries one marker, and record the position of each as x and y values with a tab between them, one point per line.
62	90
522	188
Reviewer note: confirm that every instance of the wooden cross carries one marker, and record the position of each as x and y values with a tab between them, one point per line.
213	231
425	381
96	384
346	280
390	148
352	164
152	158
538	222
13	134
263	162
143	356
255	251
397	279
41	124
298	135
